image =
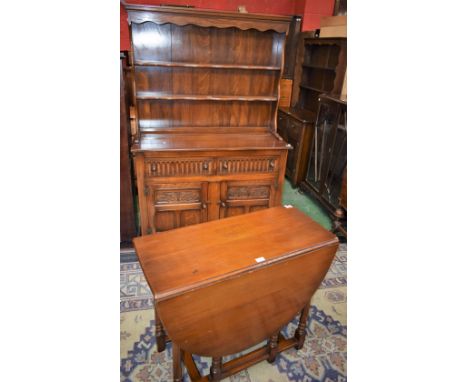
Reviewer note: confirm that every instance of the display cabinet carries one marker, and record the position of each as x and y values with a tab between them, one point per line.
326	172
205	96
320	68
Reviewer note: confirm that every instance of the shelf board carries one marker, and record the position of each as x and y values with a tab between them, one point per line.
196	97
318	67
197	65
304	86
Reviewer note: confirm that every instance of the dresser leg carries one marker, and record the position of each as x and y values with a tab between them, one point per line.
301	328
272	348
160	335
215	370
176	363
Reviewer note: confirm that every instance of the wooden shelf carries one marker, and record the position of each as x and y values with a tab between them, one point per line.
317	67
196	97
304	86
209	66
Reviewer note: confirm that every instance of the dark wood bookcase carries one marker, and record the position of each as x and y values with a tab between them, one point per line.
320	68
205	91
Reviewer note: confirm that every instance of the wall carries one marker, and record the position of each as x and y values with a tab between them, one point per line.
311	10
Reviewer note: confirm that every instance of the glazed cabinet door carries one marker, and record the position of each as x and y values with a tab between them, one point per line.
240	197
176	205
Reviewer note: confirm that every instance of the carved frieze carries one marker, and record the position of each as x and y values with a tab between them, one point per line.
247	165
174	196
248	192
178	167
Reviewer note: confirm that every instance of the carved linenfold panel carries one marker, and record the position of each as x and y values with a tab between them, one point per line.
178	167
247	165
246	192
174	196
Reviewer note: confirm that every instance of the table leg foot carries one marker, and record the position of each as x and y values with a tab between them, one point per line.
176	363
160	336
215	370
272	348
301	328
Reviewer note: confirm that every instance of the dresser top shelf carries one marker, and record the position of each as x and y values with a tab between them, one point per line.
226	248
207	18
208	141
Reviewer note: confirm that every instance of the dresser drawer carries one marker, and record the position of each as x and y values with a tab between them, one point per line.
246	165
167	167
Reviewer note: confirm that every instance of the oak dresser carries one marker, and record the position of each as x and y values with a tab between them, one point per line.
205	90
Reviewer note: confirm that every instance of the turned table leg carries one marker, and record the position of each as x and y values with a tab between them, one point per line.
160	335
272	348
176	363
215	370
301	328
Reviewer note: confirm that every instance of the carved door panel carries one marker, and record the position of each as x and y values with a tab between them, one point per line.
240	197
176	205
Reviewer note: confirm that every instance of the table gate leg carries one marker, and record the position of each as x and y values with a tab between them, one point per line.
301	328
273	348
176	363
160	335
215	370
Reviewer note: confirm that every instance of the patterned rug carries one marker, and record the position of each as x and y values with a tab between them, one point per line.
323	357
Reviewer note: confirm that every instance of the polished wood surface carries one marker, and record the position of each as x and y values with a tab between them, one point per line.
200	276
200	141
205	91
234	244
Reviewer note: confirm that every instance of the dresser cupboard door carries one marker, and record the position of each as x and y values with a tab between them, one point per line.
176	205
240	197
291	161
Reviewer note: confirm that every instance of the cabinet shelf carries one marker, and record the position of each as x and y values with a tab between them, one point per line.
318	67
201	65
197	97
304	86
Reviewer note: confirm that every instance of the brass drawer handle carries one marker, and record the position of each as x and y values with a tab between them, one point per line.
272	163
225	165
204	206
205	165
